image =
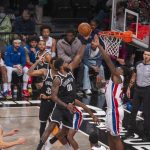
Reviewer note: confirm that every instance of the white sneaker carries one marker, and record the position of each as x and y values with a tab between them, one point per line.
88	92
48	145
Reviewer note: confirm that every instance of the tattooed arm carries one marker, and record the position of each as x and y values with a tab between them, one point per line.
54	95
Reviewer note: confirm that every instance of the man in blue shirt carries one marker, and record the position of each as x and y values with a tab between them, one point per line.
91	60
31	49
15	60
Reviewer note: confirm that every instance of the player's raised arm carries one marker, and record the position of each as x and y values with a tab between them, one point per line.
78	58
107	60
40	72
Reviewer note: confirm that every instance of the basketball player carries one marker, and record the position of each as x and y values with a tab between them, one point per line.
113	95
45	95
63	93
42	64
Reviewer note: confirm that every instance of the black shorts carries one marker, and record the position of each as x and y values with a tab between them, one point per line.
45	110
62	115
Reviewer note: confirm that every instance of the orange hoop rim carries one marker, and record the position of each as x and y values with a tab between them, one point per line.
125	36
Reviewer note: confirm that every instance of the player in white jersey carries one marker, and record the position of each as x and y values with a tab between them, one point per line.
50	42
115	112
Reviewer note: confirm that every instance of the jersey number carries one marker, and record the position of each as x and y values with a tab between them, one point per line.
69	87
48	91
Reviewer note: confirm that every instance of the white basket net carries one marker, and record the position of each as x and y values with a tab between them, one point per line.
111	43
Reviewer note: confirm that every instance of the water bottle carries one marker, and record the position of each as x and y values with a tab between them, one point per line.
15	92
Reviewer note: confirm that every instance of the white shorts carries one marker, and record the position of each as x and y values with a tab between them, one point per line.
114	120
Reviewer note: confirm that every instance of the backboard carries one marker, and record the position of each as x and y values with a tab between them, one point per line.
133	15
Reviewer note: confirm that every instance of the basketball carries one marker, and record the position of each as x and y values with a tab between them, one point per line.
84	29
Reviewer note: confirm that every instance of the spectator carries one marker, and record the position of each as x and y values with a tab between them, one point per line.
50	42
91	60
15	60
24	25
5	24
67	48
93	138
31	50
5	145
3	72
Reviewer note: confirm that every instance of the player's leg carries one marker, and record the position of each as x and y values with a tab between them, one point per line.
77	121
71	139
44	113
111	142
118	143
55	118
46	134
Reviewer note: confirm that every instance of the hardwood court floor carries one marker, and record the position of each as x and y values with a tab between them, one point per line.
26	120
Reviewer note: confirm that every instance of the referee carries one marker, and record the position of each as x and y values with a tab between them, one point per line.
141	78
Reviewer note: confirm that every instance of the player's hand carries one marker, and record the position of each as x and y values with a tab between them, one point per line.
43	96
96	120
70	107
121	61
96	69
96	41
21	140
41	59
128	93
13	132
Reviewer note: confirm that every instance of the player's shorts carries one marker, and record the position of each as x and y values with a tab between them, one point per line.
62	115
77	119
114	120
46	109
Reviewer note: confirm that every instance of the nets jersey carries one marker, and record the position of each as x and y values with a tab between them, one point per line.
114	94
48	81
48	43
43	64
67	89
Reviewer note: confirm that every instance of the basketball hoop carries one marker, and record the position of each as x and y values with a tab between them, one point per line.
112	40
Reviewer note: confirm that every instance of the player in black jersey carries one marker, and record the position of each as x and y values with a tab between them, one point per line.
64	94
45	95
43	64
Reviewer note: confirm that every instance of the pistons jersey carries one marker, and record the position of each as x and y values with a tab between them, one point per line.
43	64
67	88
114	94
47	84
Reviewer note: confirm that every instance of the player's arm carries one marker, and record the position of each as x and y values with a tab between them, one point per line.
53	45
40	72
10	133
77	59
54	95
80	104
116	77
5	145
48	58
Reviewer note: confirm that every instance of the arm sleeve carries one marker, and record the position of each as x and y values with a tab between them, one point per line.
61	53
7	58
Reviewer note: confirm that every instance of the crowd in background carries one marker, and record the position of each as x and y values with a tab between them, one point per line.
25	41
